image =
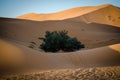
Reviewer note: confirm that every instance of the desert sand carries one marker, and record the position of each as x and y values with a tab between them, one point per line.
100	59
99	34
104	73
104	14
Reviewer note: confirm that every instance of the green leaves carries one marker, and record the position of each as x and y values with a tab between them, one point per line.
59	40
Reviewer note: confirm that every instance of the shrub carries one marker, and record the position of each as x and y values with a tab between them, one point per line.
32	45
59	40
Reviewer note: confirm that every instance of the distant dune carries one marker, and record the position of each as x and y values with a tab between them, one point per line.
105	14
97	27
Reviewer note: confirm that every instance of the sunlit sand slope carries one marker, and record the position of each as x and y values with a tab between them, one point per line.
105	14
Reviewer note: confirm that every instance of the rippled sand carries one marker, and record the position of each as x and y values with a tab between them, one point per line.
98	73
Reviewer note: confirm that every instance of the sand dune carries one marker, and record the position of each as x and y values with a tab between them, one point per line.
59	15
87	64
10	56
97	27
105	14
27	31
35	60
93	35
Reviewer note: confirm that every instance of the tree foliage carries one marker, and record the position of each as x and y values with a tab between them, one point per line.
59	40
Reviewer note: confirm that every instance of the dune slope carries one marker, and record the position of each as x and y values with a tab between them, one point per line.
105	14
93	35
37	61
97	27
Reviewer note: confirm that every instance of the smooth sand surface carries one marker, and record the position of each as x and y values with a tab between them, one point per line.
10	55
93	35
104	14
38	61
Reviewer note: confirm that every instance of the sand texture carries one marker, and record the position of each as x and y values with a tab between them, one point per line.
103	73
97	27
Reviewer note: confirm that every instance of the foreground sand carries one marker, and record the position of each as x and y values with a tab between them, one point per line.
18	57
98	73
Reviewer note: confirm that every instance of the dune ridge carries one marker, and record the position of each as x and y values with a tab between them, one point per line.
106	14
62	15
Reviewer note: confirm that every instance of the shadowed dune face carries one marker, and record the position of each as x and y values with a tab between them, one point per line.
104	14
10	55
92	35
